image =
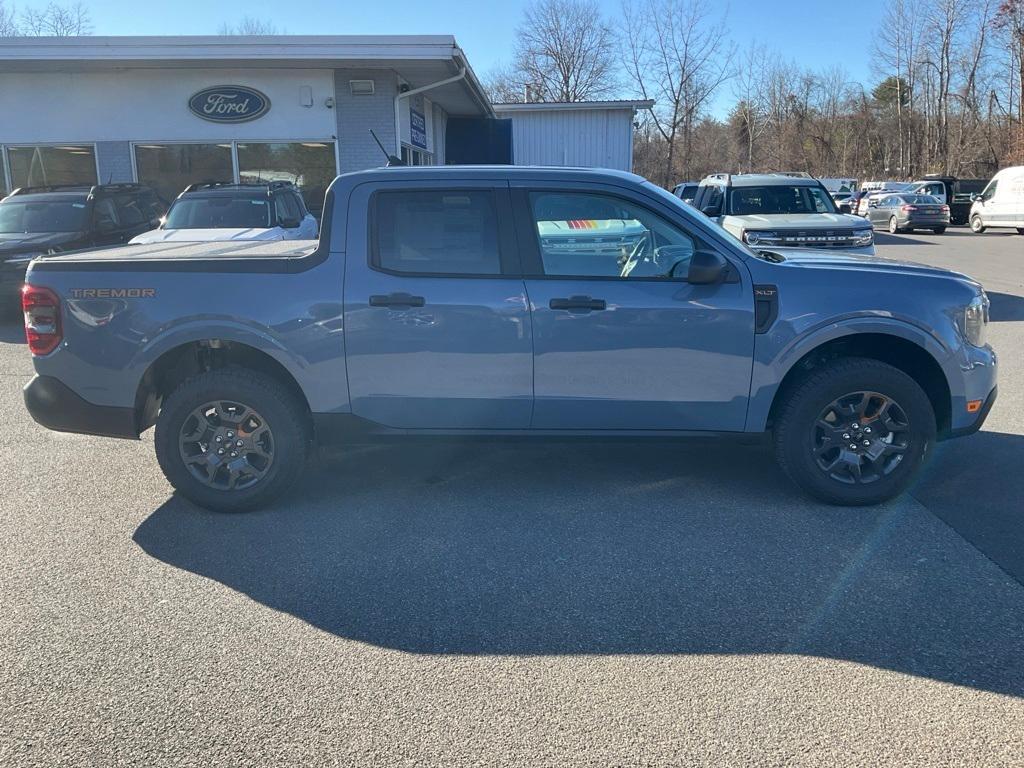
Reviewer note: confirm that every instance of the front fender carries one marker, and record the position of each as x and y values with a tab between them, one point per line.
775	355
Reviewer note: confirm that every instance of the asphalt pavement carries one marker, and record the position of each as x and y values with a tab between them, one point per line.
519	604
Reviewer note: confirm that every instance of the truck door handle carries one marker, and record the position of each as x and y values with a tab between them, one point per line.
397	300
578	302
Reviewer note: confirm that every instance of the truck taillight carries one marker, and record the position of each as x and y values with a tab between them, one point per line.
42	319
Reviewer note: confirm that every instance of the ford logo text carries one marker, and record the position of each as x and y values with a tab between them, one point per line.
229	104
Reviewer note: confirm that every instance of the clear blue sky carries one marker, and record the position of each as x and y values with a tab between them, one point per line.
813	34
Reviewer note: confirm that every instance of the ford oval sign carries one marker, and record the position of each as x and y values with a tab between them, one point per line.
229	104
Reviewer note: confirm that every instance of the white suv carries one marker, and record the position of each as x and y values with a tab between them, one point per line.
781	210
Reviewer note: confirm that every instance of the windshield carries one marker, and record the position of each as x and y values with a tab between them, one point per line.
779	199
42	216
919	199
221	212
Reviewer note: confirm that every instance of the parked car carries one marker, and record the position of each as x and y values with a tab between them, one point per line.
686	190
774	209
1001	204
874	195
228	211
839	188
40	220
906	212
429	308
854	202
958	194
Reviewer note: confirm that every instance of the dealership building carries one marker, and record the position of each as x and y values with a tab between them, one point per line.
170	111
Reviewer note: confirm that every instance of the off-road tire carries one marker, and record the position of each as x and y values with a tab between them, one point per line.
285	416
800	410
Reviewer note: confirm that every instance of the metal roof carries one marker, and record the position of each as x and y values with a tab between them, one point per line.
543	106
419	59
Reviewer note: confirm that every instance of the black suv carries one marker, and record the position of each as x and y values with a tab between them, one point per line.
222	210
38	221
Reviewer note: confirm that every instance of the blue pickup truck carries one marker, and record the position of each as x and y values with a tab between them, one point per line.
467	302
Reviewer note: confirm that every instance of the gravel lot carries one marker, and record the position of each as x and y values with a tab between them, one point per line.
528	605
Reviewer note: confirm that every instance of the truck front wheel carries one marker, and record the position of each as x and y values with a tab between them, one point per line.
231	439
854	432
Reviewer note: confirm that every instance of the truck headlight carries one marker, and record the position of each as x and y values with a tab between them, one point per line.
759	238
973	321
863	237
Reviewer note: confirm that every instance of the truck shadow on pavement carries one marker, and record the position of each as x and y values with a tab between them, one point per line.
527	549
1006	307
11	332
884	238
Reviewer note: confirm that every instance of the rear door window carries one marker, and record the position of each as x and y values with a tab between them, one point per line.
436	232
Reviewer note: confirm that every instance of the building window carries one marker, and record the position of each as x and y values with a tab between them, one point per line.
310	165
49	165
413	156
169	168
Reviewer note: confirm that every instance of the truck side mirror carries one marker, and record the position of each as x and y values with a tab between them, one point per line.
707	268
711	210
845	208
290	223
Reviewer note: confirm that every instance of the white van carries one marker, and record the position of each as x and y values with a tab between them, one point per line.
1002	202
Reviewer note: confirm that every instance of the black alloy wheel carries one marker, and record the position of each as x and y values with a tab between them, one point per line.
860	437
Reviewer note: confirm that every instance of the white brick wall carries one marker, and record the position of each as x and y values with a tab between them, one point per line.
356	115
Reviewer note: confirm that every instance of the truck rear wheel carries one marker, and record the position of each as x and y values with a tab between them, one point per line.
231	439
855	432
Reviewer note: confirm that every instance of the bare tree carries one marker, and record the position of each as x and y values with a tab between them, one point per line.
896	52
8	25
565	51
504	85
55	21
249	25
676	53
748	116
1010	21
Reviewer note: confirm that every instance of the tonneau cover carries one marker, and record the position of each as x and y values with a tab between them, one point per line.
275	249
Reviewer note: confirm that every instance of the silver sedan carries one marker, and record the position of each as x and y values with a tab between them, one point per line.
905	213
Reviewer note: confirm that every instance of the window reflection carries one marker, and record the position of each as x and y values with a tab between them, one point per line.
309	165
